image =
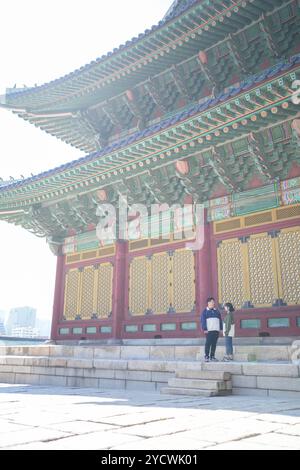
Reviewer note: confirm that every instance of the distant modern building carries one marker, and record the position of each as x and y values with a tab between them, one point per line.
20	317
25	332
2	315
2	328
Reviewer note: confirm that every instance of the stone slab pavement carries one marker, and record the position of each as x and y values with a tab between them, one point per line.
58	418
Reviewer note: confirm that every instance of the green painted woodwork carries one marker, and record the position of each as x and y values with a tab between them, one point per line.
168	326
143	153
278	322
64	331
105	329
149	327
131	328
251	323
165	185
91	330
77	331
255	200
188	326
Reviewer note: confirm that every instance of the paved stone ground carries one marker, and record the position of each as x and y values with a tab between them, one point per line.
43	417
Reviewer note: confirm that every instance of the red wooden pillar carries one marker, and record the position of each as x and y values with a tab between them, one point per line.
118	308
203	270
58	292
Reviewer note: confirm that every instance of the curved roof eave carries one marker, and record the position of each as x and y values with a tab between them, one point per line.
178	9
247	84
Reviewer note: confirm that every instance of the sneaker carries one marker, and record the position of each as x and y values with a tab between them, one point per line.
226	359
213	359
206	359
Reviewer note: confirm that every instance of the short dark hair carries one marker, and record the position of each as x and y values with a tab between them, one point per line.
230	306
209	299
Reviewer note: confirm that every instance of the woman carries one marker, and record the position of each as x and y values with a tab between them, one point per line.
228	331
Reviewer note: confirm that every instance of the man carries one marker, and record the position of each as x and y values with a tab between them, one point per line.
211	324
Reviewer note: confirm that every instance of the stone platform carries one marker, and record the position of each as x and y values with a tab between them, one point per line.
149	367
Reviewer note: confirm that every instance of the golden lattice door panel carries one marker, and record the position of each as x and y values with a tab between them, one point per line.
262	270
231	272
104	290
289	265
183	281
72	294
160	283
139	286
87	293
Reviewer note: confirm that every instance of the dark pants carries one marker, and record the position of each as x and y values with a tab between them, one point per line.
211	343
228	344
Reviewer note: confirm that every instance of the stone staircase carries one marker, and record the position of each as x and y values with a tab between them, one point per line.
205	383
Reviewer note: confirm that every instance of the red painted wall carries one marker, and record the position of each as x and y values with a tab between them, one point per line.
206	284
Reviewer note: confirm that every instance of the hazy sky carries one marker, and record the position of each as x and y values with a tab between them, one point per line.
41	40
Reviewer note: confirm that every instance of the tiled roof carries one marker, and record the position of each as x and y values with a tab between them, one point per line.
181	8
249	83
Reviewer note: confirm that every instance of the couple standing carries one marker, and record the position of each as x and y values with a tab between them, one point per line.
212	325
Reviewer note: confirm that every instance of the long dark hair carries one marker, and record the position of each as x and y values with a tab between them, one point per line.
230	306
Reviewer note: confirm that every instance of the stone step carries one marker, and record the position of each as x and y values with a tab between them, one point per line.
198	383
202	374
194	392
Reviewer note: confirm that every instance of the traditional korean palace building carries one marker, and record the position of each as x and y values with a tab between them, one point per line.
203	109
